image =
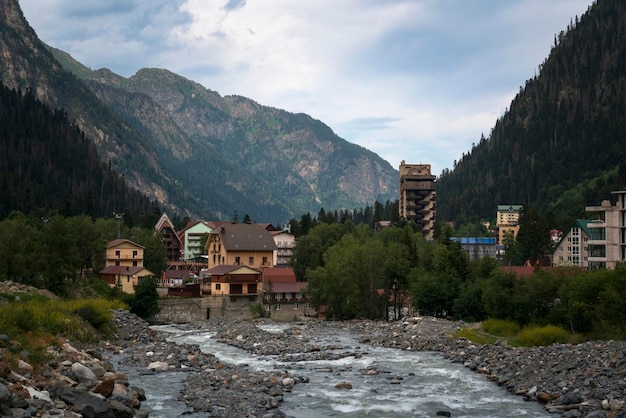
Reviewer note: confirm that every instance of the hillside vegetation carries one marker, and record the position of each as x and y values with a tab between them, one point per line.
560	144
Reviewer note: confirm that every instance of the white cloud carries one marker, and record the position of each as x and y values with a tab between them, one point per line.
413	80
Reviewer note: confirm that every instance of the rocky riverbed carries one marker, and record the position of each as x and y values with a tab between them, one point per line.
584	380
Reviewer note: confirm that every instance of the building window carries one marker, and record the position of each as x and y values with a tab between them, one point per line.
134	253
295	306
218	286
117	253
134	263
277	306
250	261
265	261
237	261
117	262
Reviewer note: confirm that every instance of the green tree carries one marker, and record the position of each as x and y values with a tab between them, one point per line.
155	252
18	241
145	302
534	234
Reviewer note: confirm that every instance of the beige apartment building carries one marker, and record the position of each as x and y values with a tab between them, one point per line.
240	245
507	221
124	265
418	196
607	233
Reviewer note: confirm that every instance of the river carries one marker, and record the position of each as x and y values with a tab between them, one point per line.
407	384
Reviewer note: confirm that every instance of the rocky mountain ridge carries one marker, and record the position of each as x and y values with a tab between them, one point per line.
195	152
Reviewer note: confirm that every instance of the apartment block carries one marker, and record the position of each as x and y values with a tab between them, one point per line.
607	234
507	221
418	196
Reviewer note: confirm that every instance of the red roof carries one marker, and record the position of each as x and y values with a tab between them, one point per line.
297	287
278	275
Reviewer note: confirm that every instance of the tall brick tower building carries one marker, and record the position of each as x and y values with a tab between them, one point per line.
418	196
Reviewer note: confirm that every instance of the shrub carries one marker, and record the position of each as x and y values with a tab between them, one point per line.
258	311
501	327
146	300
96	311
534	335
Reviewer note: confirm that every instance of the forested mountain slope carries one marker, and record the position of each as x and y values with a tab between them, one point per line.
48	166
561	143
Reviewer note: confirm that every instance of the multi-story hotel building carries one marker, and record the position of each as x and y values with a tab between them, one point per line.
418	196
507	221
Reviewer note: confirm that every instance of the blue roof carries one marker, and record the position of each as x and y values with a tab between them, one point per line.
475	240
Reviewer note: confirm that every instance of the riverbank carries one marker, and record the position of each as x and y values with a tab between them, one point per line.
584	380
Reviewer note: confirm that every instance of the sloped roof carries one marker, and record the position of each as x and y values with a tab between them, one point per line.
510	208
278	275
226	268
125	270
297	287
245	237
117	242
583	224
178	274
164	222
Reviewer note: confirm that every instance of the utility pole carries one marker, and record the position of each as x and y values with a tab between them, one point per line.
118	220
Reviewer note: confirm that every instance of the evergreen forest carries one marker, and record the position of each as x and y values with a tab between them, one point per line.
559	147
49	166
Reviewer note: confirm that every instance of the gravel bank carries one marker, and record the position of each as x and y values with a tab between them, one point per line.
584	380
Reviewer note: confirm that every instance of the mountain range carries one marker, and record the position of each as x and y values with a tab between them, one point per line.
191	150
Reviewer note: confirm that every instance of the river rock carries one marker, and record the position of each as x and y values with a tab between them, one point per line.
344	385
83	373
158	365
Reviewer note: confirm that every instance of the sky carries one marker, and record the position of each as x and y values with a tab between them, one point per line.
412	80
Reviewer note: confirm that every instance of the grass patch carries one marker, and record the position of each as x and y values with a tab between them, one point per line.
33	323
535	335
495	330
501	328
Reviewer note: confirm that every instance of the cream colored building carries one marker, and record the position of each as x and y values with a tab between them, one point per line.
124	265
607	234
240	245
573	248
285	244
507	221
122	252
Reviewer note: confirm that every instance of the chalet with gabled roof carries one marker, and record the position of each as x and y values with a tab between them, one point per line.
169	237
240	245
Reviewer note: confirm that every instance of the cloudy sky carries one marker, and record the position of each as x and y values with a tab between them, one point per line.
414	80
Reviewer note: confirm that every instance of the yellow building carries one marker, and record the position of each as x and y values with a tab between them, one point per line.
122	252
507	221
124	265
240	245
